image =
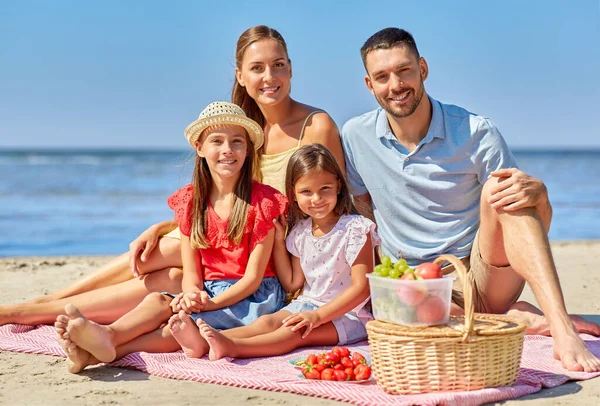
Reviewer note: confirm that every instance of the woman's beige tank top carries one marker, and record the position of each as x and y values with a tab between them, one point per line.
274	166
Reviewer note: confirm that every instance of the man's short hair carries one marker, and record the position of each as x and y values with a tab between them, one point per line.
386	39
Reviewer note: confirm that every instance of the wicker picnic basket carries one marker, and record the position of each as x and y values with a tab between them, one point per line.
471	352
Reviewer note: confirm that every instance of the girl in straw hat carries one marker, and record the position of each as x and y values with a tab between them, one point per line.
227	232
262	88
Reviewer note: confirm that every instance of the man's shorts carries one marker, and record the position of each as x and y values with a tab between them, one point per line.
495	289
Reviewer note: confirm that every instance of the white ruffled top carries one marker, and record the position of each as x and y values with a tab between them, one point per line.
327	261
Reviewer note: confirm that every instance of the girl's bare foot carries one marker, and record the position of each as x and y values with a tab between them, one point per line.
220	346
90	336
77	358
188	336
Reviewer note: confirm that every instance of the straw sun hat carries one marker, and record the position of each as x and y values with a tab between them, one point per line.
224	113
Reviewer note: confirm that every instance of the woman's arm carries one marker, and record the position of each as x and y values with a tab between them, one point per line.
323	131
146	242
289	272
346	301
249	283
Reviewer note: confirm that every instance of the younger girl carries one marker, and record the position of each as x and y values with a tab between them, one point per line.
332	251
226	221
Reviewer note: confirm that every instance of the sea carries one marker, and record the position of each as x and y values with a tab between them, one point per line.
95	202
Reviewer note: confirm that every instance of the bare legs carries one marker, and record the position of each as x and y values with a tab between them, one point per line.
104	305
167	254
276	342
519	238
88	343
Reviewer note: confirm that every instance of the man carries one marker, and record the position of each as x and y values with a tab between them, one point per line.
441	180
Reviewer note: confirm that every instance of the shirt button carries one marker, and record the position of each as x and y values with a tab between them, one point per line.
406	159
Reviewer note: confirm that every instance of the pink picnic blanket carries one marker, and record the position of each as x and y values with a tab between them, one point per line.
538	369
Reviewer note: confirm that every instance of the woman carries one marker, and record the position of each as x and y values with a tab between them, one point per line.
261	87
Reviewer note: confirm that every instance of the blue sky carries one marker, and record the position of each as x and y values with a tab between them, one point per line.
135	73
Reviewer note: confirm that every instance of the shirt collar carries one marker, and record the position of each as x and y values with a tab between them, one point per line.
436	127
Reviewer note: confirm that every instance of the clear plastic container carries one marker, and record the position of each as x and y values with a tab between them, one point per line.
414	303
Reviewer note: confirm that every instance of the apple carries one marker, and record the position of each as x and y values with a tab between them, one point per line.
431	310
411	293
429	270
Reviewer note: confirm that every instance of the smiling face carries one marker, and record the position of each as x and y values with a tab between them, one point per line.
395	76
225	148
265	72
316	194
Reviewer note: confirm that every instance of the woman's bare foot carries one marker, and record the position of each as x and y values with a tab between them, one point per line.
538	324
188	336
220	346
77	358
90	336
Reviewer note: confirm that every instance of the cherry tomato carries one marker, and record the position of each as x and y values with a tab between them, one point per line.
347	362
332	357
350	372
341	351
362	372
311	359
429	270
340	375
311	373
328	374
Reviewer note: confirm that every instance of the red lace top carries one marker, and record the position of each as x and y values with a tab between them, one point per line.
223	259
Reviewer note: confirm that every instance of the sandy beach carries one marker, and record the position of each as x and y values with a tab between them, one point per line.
38	379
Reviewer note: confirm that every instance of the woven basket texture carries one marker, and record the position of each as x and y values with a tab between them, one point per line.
471	352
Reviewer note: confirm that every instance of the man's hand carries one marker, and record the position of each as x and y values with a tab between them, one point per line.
190	302
144	244
308	319
516	190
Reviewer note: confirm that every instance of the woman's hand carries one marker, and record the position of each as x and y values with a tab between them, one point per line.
144	244
309	319
190	302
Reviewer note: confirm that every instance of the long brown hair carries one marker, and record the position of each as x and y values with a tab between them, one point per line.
239	95
308	159
202	183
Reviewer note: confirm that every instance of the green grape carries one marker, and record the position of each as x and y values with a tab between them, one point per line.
401	267
386	261
385	271
377	270
403	262
394	273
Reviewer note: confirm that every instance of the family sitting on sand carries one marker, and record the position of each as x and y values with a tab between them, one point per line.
434	178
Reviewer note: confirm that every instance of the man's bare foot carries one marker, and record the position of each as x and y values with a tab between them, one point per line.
573	354
219	344
188	336
77	358
90	336
538	324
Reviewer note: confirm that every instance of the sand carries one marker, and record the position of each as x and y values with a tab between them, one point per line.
43	380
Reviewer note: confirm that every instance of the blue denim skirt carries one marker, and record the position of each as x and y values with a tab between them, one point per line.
268	298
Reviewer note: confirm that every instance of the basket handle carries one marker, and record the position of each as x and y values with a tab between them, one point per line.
467	291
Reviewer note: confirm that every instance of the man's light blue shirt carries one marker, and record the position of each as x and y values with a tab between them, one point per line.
425	202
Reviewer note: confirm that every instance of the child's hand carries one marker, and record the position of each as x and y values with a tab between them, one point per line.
193	302
309	319
190	302
280	223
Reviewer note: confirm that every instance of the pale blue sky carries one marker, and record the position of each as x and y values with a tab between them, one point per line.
135	73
